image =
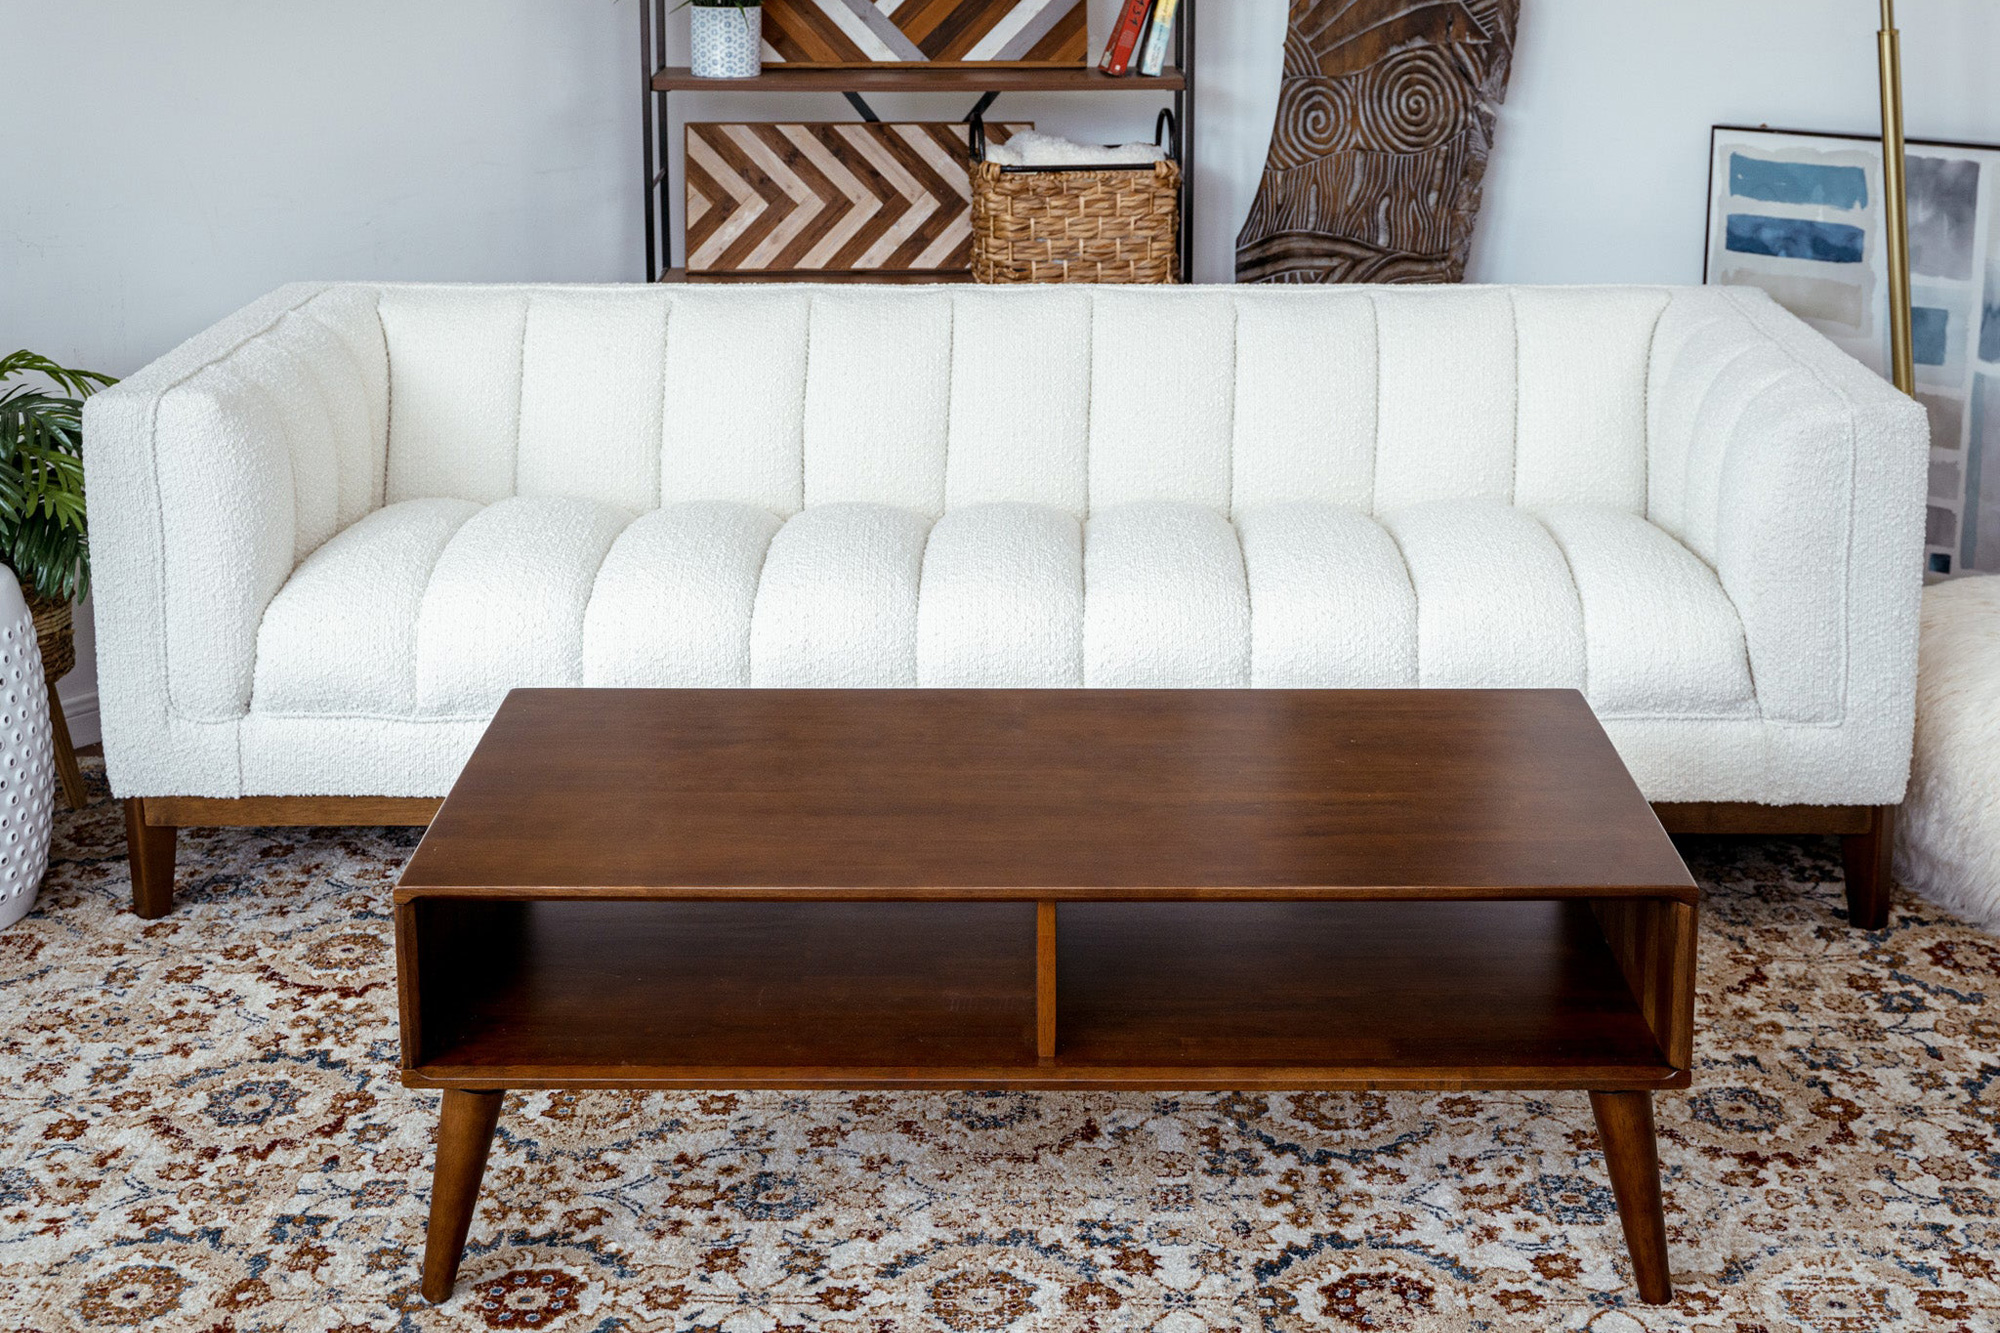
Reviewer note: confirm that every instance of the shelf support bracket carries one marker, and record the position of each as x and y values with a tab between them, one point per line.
979	108
860	104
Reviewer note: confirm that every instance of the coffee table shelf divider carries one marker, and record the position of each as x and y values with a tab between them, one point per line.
1045	981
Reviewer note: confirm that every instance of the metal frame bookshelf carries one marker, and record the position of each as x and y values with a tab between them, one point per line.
983	83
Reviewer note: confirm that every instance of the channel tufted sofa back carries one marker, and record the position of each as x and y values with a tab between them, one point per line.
931	399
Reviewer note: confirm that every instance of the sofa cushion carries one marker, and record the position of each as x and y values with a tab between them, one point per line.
454	390
1020	407
1661	638
838	602
1304	401
341	635
675	595
1162	374
734	421
878	399
1580	429
592	387
1446	408
1331	606
433	608
1495	604
1166	603
1002	599
506	602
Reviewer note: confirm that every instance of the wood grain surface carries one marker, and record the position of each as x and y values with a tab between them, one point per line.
958	80
1048	794
831	197
850	32
1385	120
1161	995
1448	889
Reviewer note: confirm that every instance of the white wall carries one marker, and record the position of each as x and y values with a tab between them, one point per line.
188	156
1601	168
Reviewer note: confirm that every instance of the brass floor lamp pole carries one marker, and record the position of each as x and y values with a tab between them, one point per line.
1896	203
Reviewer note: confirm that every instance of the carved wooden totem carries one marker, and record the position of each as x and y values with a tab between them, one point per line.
1385	118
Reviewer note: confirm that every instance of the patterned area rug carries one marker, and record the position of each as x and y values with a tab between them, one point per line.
200	1128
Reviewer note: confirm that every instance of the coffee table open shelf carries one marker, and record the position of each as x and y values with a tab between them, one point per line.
1170	890
916	995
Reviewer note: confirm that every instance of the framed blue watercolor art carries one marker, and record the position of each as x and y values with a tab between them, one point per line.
1800	215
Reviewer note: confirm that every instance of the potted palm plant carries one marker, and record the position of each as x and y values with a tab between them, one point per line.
44	536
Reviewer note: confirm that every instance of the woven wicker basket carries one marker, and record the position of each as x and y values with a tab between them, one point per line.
1076	224
55	633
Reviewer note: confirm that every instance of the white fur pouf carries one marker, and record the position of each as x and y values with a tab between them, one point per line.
1948	839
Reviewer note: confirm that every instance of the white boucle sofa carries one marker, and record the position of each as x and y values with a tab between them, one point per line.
332	531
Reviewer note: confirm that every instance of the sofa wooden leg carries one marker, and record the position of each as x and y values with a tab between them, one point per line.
149	848
1867	856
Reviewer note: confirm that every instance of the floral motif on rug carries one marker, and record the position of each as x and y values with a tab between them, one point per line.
201	1128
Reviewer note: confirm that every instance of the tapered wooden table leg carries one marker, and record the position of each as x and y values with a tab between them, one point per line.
1625	1127
465	1135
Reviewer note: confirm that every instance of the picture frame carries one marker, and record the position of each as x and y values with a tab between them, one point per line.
1798	214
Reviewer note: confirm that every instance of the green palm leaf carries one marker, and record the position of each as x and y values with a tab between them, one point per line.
44	527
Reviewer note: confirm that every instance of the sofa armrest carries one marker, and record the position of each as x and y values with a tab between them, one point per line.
210	473
1799	475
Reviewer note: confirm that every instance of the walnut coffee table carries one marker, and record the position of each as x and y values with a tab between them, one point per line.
1176	889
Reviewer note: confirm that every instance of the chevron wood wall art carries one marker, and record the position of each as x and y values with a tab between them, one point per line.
920	32
839	197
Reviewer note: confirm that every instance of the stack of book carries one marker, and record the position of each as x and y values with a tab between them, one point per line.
1139	38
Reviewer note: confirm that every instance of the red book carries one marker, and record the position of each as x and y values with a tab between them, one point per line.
1125	35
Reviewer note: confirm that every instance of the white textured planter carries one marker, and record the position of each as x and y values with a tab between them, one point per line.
726	43
27	758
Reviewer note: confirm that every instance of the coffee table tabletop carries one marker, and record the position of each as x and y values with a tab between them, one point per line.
1048	795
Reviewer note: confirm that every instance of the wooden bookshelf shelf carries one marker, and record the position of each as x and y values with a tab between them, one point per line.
921	79
909	278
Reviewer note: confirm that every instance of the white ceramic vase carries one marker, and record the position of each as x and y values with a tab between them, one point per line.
726	43
27	758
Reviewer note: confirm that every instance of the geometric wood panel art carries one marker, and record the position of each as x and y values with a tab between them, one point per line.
1385	119
917	32
837	197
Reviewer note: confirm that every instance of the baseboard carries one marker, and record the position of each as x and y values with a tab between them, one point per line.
80	711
